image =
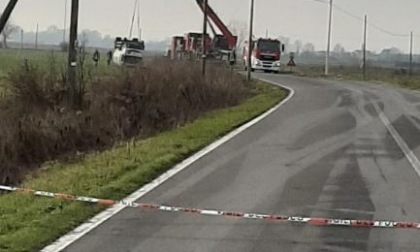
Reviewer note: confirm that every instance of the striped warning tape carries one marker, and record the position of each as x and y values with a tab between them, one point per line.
266	217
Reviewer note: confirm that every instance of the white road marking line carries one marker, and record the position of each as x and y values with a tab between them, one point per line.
97	220
414	161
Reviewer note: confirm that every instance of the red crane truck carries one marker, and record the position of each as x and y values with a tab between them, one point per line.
221	44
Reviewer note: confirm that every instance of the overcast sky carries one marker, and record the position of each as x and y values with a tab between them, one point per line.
297	19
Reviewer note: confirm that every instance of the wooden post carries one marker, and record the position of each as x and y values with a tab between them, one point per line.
72	54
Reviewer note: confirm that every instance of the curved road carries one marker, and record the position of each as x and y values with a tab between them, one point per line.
325	153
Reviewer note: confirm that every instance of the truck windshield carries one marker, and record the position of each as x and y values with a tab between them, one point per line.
135	45
269	46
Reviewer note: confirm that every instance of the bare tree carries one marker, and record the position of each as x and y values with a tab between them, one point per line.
8	31
309	48
339	49
298	46
240	29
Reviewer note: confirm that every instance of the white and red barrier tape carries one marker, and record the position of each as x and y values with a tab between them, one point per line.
266	217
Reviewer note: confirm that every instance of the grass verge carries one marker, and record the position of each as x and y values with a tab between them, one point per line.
396	77
28	223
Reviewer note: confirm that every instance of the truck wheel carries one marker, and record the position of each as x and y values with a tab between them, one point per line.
252	69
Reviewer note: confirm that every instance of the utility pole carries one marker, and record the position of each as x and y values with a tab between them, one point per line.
65	21
204	39
36	36
138	20
6	14
72	54
266	33
250	40
364	48
327	58
411	54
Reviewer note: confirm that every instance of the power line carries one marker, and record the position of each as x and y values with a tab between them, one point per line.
348	13
370	23
386	31
361	20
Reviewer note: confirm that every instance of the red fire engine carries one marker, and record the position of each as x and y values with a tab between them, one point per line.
265	55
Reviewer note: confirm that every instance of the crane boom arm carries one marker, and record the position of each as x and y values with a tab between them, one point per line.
6	14
232	40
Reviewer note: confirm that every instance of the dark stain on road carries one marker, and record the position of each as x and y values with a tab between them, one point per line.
416	119
304	188
381	106
325	129
408	131
371	110
368	95
352	194
346	99
411	97
392	148
300	193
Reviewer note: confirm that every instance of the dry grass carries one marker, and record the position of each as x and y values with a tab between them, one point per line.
38	126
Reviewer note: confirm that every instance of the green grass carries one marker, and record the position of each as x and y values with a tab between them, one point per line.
10	58
28	223
13	58
392	76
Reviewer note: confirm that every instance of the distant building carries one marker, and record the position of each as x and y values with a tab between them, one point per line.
359	54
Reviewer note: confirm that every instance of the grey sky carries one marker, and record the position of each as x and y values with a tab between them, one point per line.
297	19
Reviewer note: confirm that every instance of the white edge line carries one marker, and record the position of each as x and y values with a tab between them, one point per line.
401	143
100	218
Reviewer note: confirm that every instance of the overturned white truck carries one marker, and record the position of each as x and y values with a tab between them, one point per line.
128	52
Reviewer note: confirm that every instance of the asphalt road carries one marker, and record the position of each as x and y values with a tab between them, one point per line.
326	153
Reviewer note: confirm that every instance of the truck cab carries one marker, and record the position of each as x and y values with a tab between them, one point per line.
265	55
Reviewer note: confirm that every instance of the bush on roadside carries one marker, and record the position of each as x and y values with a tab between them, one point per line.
38	125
